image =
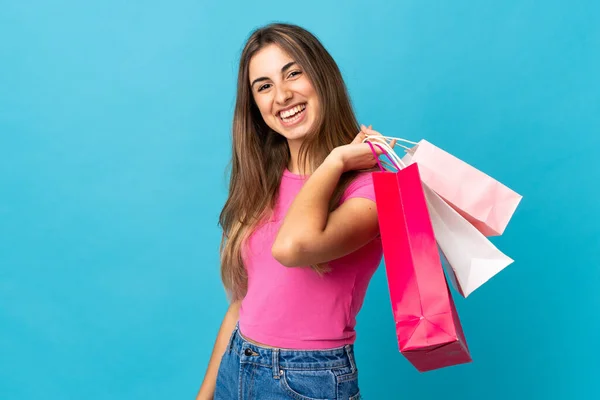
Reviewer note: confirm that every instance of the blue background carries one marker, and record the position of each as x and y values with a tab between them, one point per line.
114	138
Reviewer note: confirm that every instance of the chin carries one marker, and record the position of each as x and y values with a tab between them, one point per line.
297	135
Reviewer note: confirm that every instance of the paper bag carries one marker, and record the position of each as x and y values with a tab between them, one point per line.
482	200
473	258
428	329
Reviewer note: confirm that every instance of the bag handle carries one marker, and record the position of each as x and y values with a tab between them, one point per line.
387	150
392	138
384	153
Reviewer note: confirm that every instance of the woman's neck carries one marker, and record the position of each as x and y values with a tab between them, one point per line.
294	164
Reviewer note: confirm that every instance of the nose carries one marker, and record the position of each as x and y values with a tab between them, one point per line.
283	94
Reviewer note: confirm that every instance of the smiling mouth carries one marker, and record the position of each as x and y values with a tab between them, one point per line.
293	115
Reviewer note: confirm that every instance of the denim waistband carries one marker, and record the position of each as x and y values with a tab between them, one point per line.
277	358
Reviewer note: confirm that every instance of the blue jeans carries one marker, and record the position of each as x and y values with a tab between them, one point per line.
248	371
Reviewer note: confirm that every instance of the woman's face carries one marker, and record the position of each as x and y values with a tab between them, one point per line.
283	93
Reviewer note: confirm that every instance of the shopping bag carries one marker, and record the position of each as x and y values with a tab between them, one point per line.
428	329
486	203
472	258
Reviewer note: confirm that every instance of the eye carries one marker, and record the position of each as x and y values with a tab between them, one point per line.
294	73
264	87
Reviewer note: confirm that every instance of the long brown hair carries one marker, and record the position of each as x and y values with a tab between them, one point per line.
260	155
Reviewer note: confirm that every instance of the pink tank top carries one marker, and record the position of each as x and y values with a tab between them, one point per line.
295	308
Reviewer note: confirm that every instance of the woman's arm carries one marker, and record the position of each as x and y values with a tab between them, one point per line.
207	389
310	234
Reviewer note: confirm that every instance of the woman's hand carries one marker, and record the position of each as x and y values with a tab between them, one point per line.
358	155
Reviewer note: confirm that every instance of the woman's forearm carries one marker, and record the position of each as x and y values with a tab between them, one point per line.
306	219
207	389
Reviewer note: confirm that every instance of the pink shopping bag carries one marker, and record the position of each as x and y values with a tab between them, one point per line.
428	329
480	199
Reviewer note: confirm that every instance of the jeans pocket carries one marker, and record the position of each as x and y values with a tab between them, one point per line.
347	386
309	384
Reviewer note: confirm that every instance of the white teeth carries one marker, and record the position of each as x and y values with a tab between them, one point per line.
293	111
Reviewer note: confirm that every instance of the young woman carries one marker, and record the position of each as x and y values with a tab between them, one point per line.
300	241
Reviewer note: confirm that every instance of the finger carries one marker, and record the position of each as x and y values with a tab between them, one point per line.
359	137
378	150
365	131
373	132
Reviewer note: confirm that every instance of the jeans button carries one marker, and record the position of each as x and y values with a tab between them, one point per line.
248	352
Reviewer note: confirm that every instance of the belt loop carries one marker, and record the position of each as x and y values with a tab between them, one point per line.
350	354
275	363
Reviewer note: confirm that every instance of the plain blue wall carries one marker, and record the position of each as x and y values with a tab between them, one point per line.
114	138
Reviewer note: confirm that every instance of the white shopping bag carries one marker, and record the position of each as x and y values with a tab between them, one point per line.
471	256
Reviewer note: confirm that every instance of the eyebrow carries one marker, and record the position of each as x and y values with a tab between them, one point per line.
283	69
